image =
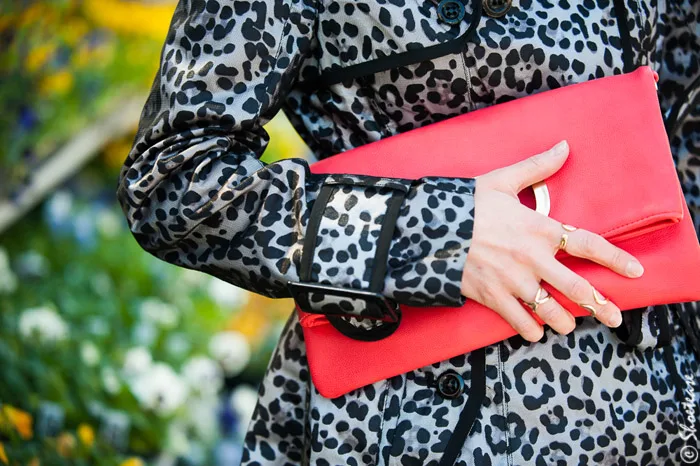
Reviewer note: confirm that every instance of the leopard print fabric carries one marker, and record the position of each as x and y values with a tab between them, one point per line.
584	398
196	195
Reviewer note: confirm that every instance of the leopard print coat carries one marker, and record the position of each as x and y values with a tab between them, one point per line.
348	73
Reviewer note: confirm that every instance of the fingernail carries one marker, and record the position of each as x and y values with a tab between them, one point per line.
560	149
616	319
634	269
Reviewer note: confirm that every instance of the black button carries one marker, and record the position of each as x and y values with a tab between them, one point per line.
450	384
497	8
450	11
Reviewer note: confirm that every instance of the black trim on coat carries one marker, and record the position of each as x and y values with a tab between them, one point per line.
381	256
338	74
379	267
625	40
471	410
309	248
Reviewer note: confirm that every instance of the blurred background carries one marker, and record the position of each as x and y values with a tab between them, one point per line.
108	356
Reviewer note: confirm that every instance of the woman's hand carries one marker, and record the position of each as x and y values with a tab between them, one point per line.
513	249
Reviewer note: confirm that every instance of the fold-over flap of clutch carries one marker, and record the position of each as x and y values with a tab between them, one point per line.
619	180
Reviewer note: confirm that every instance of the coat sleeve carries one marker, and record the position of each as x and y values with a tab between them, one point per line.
679	91
196	194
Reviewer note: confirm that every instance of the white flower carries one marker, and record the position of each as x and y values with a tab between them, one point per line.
201	415
108	223
89	353
44	323
242	401
136	361
110	380
177	442
8	280
232	351
203	375
156	311
227	295
194	278
160	389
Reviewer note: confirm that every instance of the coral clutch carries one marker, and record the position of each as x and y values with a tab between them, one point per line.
619	181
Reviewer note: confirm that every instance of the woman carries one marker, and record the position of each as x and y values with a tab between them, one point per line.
590	390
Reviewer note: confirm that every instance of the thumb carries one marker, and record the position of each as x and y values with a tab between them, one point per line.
536	168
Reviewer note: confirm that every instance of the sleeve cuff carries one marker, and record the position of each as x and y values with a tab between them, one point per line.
405	239
431	243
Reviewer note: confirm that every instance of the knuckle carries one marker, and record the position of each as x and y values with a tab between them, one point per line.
542	228
487	294
548	311
521	322
536	162
618	259
587	245
608	310
579	289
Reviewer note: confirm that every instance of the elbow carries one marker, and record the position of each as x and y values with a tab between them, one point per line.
139	209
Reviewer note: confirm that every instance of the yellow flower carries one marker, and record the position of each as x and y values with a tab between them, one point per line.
20	420
34	462
251	321
3	455
132	18
132	462
74	30
86	434
57	83
38	56
115	152
65	444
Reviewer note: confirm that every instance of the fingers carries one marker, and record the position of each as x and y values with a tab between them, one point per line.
549	310
518	317
588	245
534	169
580	291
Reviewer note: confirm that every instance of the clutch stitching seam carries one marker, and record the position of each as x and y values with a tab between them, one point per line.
662	214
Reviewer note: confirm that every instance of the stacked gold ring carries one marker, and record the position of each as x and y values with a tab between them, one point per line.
539	299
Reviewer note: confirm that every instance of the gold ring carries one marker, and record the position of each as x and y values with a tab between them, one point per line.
563	242
591	310
539	299
598	298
